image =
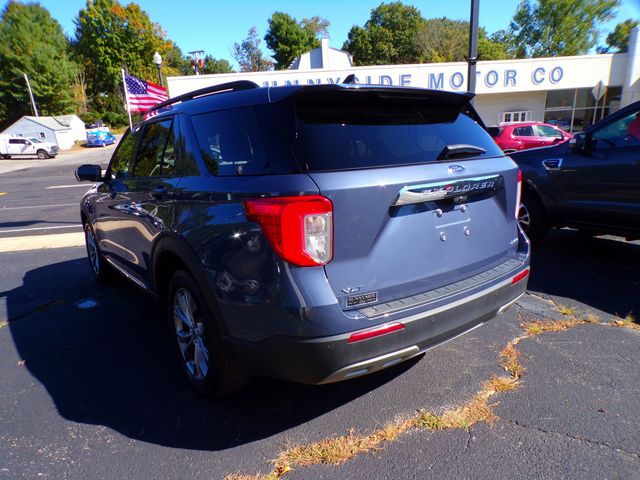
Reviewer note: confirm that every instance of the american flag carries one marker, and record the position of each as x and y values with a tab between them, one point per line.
143	95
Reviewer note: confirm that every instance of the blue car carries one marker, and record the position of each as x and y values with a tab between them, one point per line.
100	139
310	233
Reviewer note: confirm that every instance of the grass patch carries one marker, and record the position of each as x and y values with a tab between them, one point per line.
3	324
510	359
564	310
629	321
536	327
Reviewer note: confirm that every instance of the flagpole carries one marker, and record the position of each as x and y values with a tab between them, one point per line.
126	96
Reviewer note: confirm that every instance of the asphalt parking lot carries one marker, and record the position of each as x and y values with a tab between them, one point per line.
90	388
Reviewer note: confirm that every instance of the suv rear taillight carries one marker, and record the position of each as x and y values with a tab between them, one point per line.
518	193
300	229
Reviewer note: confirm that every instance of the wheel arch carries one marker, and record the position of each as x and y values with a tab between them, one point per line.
171	253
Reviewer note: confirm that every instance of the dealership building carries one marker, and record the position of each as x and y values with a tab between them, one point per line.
572	92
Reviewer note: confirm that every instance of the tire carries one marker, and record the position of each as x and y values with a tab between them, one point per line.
532	217
210	370
6	157
42	154
100	269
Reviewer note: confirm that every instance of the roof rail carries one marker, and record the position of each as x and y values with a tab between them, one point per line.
223	87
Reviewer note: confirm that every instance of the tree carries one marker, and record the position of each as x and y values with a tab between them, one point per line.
110	37
388	37
288	39
446	40
32	42
319	27
549	28
213	65
617	41
248	54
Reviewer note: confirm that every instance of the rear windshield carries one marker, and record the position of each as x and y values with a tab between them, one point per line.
494	131
345	130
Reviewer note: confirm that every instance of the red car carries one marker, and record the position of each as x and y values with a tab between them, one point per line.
520	136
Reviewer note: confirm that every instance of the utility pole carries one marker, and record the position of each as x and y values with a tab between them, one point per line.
196	61
472	58
34	109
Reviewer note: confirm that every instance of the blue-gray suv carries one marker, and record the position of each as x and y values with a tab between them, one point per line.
310	233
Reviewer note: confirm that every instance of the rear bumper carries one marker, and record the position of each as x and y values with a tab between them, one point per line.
331	359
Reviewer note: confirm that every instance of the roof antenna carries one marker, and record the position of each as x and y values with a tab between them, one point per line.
350	79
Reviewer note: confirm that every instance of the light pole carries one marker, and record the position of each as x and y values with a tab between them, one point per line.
157	59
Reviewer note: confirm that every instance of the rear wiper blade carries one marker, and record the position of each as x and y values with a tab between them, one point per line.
460	151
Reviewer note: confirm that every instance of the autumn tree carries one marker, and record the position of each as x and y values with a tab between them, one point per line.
32	42
549	28
248	54
388	37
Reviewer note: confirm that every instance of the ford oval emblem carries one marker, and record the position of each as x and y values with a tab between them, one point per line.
455	169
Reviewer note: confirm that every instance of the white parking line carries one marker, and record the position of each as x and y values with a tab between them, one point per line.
34	229
75	185
40	206
39	242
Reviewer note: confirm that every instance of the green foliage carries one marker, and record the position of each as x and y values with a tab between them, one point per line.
32	42
618	39
110	37
213	65
319	27
288	39
248	54
548	28
388	37
446	40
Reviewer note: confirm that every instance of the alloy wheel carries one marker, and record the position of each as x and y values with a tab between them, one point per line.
92	250
190	333
524	217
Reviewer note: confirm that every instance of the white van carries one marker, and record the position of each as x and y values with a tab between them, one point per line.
18	146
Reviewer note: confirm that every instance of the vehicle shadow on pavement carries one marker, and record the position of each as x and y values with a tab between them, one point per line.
602	272
115	365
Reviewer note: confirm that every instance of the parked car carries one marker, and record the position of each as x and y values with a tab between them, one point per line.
32	147
521	136
311	233
591	183
99	138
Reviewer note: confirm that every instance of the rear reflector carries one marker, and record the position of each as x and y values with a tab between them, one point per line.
375	331
520	276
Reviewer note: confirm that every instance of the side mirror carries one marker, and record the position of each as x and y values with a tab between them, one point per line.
89	173
581	142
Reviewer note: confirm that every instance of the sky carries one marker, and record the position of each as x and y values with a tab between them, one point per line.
215	25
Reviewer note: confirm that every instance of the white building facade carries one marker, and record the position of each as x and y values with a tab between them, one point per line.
572	92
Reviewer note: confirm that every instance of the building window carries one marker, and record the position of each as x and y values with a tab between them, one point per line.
42	135
514	117
576	109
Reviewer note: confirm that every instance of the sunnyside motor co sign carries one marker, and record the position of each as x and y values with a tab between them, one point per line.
492	77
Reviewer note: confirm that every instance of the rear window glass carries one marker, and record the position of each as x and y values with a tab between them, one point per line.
345	130
494	131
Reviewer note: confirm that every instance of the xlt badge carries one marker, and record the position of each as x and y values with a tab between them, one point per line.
362	299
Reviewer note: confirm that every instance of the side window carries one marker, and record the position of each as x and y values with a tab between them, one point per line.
523	131
156	153
546	131
230	142
621	133
123	156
